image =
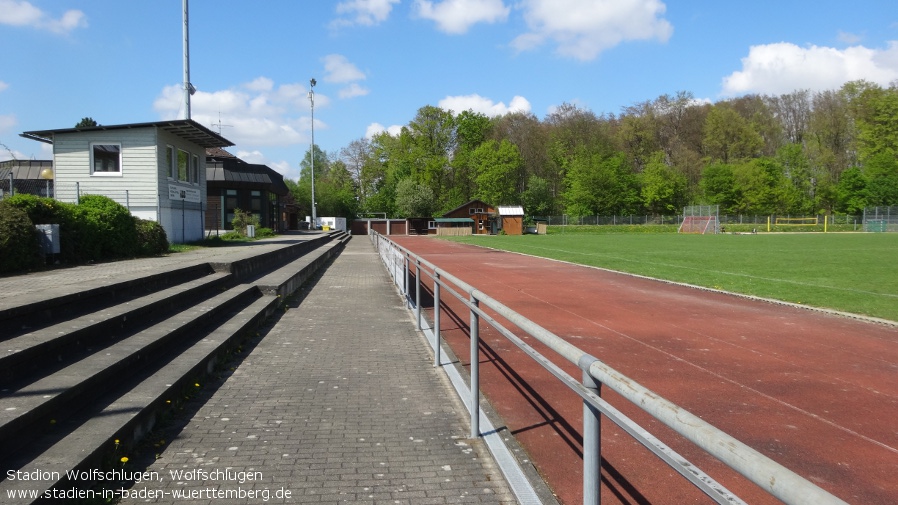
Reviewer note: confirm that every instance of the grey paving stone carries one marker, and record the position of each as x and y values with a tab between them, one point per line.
338	403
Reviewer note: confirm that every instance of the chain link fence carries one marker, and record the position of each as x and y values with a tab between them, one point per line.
881	219
11	186
758	221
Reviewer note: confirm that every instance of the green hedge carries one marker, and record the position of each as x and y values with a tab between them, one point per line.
19	246
97	229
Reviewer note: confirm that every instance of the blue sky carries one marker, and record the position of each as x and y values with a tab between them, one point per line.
377	62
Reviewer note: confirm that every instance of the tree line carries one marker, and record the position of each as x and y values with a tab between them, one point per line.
801	153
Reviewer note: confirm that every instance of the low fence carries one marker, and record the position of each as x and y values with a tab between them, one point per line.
774	478
832	219
881	219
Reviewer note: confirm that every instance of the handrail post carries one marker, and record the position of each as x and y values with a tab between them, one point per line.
406	264
436	319
418	292
475	368
592	445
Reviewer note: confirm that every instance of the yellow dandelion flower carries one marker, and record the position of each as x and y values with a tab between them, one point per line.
124	459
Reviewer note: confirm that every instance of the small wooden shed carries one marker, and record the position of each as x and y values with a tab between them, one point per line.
511	219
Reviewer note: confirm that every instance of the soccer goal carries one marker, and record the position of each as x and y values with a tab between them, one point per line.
700	219
796	221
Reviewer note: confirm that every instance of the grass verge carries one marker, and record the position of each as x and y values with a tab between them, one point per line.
851	272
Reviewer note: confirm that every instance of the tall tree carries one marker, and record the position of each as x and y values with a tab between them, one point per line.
434	138
729	137
414	199
496	164
86	122
662	188
719	187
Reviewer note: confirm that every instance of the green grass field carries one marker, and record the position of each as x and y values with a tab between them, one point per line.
851	272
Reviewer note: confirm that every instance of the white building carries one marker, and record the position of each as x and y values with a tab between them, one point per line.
157	170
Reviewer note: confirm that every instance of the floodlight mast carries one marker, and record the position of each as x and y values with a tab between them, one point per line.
188	88
312	83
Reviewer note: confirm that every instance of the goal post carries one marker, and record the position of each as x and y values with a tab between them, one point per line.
700	219
796	221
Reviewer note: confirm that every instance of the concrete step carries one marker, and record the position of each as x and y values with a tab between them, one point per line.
69	417
129	417
32	316
54	396
59	343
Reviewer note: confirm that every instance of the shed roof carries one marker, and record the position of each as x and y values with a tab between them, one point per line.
480	203
226	170
511	210
187	129
24	169
453	220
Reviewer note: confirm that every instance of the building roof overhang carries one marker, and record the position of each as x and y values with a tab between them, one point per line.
187	129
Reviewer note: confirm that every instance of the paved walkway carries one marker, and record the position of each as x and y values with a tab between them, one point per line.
337	403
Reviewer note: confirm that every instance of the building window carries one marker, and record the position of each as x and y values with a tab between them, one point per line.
106	159
183	165
195	170
431	225
168	162
230	204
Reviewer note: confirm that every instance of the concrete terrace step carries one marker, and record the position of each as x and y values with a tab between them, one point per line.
38	313
289	277
131	416
83	381
67	416
96	329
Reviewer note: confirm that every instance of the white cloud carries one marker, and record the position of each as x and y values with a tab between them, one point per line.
375	128
3	86
582	29
260	84
457	16
352	91
483	105
282	167
7	122
23	13
363	12
848	38
258	113
783	68
339	69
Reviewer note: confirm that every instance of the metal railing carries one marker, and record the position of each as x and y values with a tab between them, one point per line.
775	479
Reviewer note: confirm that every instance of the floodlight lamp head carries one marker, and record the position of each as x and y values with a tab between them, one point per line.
313	82
191	89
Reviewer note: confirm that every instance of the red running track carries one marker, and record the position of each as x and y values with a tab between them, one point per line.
818	393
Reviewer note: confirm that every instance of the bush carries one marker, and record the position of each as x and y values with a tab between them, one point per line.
19	246
265	233
151	237
49	211
108	229
232	235
242	219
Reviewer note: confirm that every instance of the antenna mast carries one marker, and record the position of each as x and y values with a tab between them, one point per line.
188	88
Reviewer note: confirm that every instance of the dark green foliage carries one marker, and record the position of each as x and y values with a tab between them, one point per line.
151	238
242	219
19	247
49	211
108	230
265	233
